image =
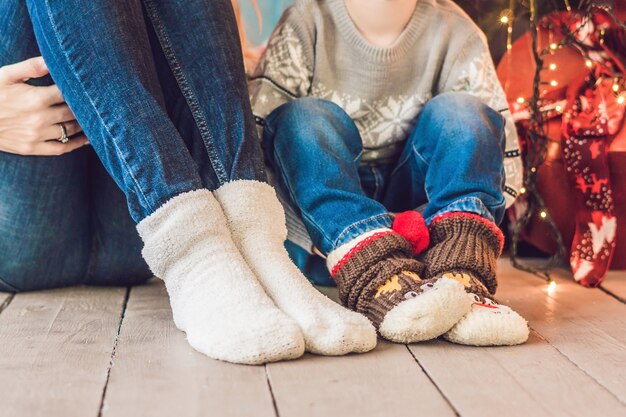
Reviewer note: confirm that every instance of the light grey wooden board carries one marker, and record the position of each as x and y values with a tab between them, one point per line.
615	283
156	372
529	380
586	325
55	351
385	382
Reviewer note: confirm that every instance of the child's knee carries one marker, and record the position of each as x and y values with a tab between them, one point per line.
466	122
302	110
309	122
463	108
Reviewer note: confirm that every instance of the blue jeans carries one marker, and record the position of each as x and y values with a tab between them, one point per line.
158	87
63	221
166	109
453	161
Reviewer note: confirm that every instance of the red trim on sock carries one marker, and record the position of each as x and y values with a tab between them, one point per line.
356	248
463	214
411	225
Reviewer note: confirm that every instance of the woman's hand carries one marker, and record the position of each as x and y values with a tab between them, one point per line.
30	117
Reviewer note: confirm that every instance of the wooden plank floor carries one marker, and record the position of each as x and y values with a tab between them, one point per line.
115	352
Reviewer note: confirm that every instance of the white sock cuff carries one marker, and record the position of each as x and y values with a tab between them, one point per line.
337	255
191	203
177	225
252	206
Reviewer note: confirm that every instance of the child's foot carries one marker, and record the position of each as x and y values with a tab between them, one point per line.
215	297
488	323
465	247
376	276
256	219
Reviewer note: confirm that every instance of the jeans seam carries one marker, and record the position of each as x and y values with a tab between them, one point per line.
357	224
104	124
187	91
406	160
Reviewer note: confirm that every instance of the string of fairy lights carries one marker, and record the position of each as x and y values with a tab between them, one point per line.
539	111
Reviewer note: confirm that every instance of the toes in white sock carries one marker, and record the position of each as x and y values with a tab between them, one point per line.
489	324
215	297
257	222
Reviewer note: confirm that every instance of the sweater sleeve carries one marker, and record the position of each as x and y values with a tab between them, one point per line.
472	71
285	69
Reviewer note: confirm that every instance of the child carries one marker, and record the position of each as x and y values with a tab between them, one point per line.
374	107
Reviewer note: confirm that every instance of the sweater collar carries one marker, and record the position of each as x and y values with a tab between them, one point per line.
399	48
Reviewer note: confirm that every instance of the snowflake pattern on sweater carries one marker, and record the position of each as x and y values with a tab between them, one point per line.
383	124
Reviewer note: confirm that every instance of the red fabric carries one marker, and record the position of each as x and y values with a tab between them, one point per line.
592	117
584	197
411	225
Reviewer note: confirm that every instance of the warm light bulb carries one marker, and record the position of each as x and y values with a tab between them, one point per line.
588	63
551	287
505	17
553	46
615	87
522	190
552	67
543	214
621	99
553	83
520	100
558	108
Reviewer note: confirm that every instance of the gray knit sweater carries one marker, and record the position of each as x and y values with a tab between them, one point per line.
316	50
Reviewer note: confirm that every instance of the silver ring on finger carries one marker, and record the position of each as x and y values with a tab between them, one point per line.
64	138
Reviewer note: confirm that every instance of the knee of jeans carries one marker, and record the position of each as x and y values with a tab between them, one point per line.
462	108
323	120
463	112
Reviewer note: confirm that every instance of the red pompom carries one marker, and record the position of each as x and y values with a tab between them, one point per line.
412	226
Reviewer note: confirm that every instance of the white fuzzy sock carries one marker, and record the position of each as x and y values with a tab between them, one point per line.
215	297
257	221
489	324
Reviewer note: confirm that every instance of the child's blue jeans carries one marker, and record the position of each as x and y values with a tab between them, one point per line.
452	161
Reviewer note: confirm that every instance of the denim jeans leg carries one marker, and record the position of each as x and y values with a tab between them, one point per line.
115	257
17	38
104	67
202	78
63	221
315	148
44	221
453	160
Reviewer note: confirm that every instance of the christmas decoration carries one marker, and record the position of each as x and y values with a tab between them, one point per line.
585	102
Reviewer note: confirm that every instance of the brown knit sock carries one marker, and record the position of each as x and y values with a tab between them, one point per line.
464	244
465	248
377	275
